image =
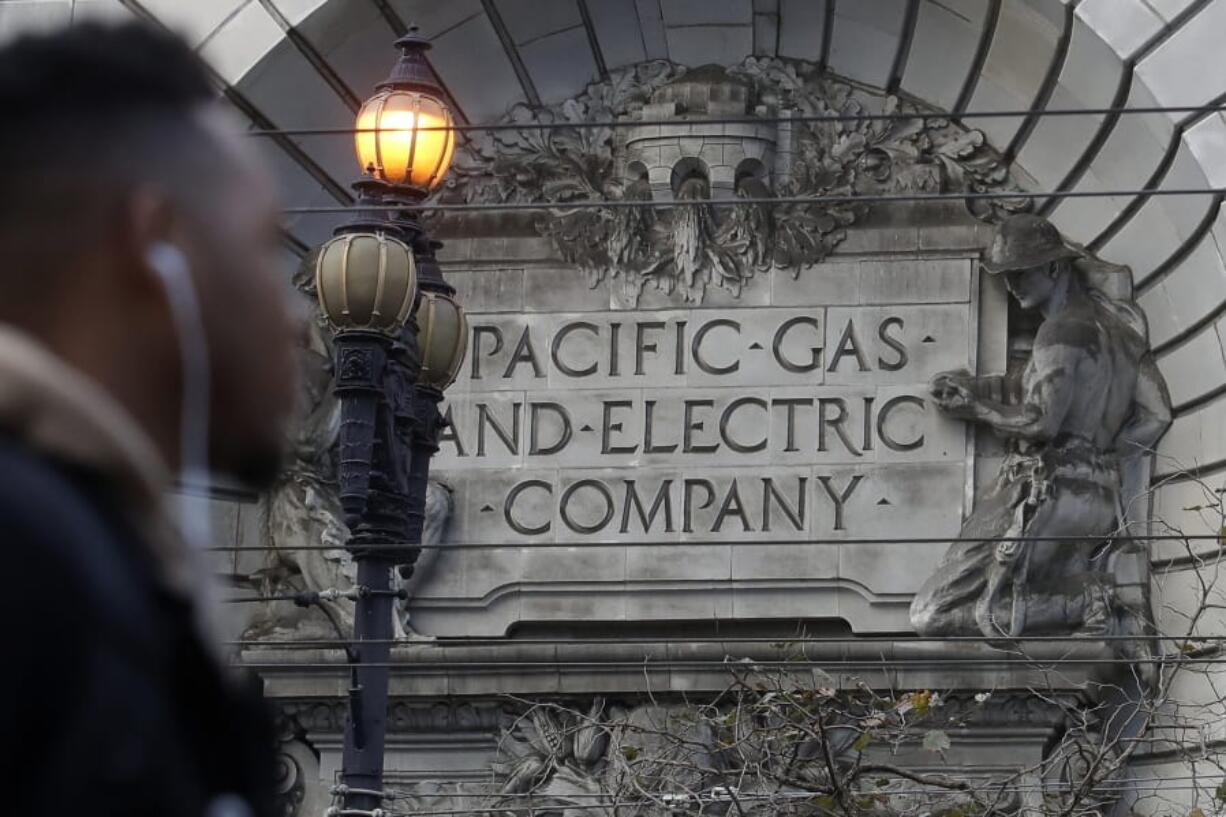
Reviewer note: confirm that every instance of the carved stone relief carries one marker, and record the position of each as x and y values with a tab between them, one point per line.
303	513
760	752
299	790
1040	552
705	155
987	588
1076	457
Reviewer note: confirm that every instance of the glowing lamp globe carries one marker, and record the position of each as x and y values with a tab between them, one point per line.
404	132
395	143
366	282
442	339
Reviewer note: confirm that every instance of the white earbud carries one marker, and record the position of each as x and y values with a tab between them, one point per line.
168	261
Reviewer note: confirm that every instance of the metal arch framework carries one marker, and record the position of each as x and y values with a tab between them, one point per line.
989	32
971	72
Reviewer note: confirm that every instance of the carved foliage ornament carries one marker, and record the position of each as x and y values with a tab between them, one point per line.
689	248
775	749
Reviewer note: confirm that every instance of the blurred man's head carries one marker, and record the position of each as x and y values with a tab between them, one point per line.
112	144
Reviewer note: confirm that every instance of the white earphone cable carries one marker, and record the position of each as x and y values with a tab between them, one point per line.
172	267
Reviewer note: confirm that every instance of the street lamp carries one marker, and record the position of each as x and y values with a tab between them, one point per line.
400	338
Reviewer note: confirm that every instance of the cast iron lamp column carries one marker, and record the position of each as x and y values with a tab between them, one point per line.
400	338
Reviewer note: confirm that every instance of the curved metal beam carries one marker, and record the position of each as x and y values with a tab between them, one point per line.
398	26
1051	79
257	118
1156	178
315	59
1183	250
1122	92
1188	474
590	30
905	37
823	61
508	45
987	34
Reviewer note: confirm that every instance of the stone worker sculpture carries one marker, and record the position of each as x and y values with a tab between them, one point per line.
1089	407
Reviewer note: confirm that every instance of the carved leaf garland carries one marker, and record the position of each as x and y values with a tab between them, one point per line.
687	249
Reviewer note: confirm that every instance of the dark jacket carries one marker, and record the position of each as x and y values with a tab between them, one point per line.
110	702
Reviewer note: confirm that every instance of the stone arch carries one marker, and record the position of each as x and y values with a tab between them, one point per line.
636	171
751	172
957	56
1016	54
689	169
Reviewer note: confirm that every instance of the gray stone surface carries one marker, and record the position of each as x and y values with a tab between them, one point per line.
1125	25
346	44
618	32
1016	65
1126	160
1207	141
1175	303
1195	367
529	20
702	44
553	59
554	445
444	756
943	45
487	86
238	46
1163	221
864	39
1166	70
1088	80
425	670
801	28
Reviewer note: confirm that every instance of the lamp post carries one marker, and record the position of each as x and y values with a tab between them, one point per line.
400	338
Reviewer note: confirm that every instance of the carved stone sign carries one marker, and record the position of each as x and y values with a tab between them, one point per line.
802	419
705	369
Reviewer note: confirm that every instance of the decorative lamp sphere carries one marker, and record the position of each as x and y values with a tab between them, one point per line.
366	281
442	339
392	145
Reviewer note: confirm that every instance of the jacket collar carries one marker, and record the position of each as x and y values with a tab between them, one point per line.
59	411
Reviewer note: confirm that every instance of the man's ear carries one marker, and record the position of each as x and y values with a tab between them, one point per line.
147	221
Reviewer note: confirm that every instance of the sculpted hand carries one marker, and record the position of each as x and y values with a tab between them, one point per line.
953	393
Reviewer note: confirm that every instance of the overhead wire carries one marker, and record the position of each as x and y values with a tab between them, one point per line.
649	663
680	800
864	116
772	201
1220	538
562	641
981	779
756	201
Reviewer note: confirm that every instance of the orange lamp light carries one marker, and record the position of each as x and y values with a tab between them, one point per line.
404	138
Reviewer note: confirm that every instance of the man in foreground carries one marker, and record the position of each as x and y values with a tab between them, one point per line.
141	304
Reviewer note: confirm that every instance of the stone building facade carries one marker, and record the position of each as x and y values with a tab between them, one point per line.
704	410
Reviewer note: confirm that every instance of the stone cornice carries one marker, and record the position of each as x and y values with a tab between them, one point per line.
535	669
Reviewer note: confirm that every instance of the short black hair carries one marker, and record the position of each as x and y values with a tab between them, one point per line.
84	112
92	75
100	70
